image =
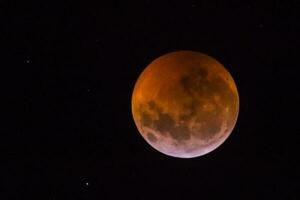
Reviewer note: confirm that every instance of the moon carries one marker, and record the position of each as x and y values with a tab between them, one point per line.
185	104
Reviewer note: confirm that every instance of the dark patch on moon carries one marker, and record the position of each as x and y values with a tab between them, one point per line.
146	119
209	129
180	132
151	137
164	124
193	86
195	82
152	105
199	72
185	83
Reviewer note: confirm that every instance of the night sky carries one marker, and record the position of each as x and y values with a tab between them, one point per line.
68	74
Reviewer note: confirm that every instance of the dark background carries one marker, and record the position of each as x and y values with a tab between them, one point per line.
68	74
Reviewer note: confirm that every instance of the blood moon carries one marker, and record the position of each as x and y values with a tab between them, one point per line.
185	104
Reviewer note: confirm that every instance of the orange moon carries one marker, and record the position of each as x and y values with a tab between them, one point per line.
185	104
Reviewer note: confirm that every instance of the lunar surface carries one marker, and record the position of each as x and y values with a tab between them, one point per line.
185	104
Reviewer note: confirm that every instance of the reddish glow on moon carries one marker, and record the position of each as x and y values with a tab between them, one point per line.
185	104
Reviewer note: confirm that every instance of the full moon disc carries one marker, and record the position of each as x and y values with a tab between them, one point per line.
185	104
